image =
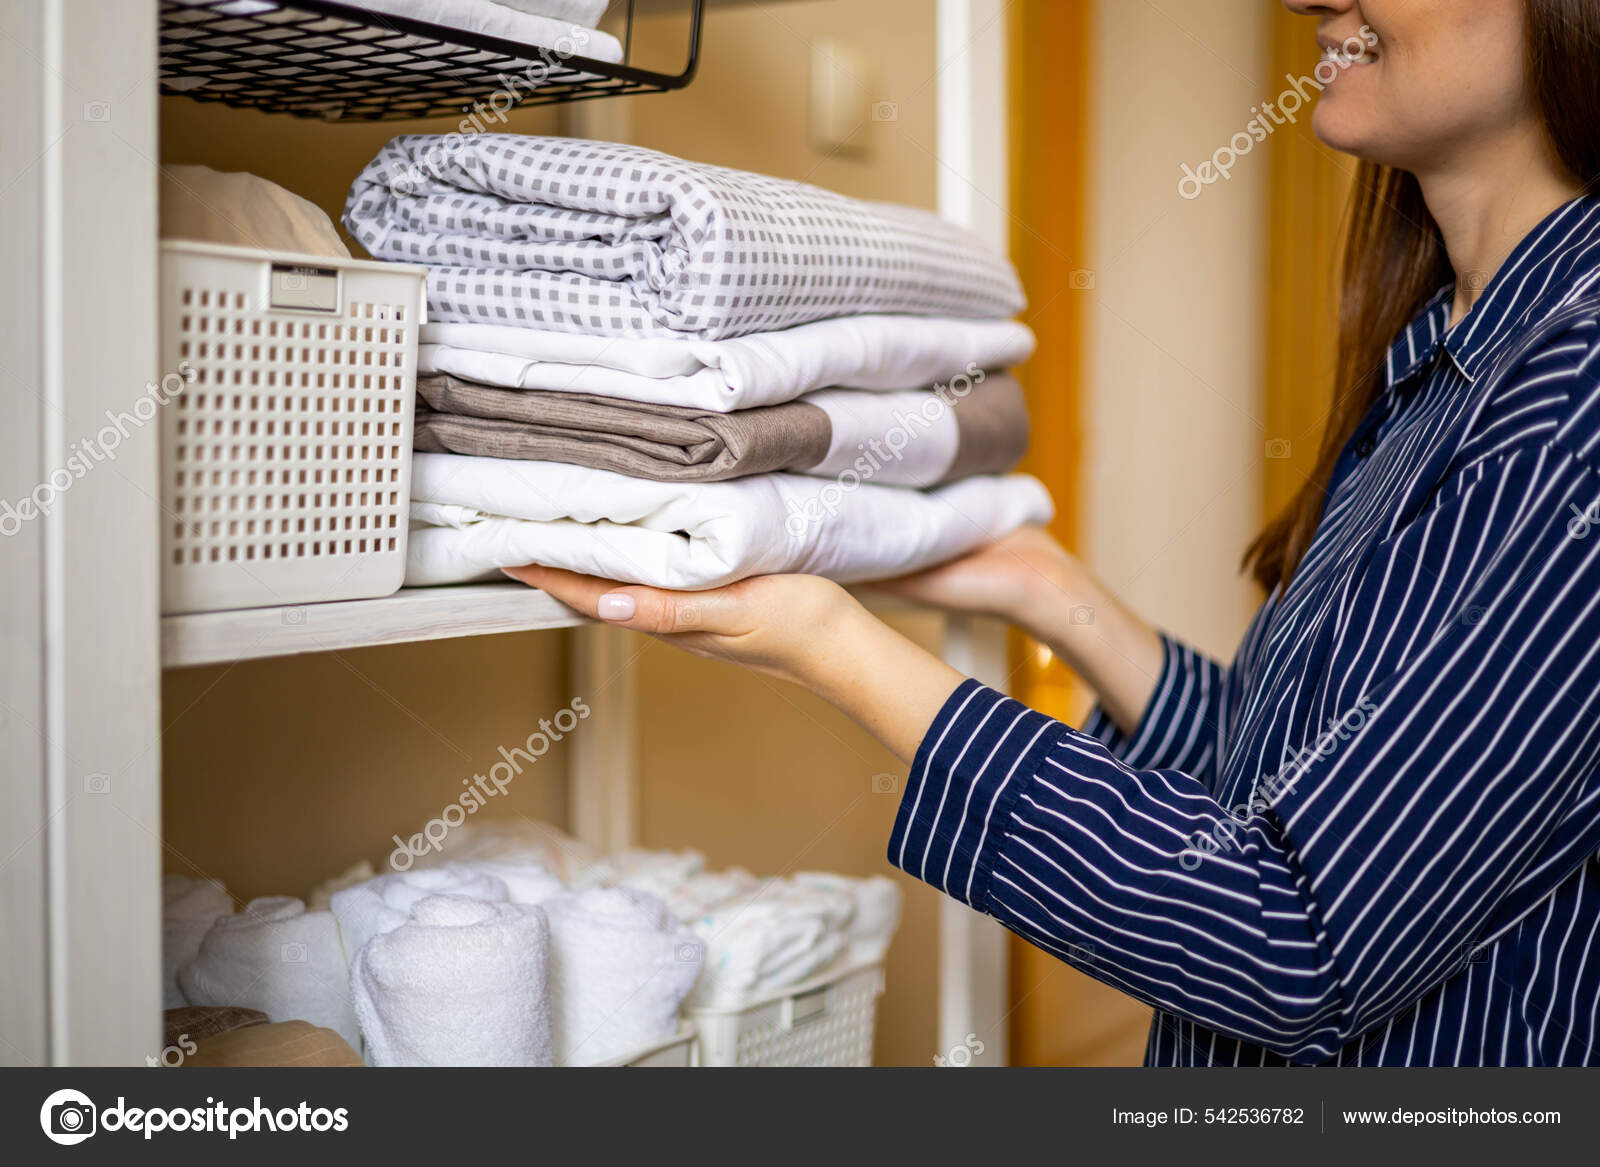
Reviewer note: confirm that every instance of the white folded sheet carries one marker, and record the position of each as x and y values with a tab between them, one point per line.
461	982
769	368
472	516
769	939
528	22
586	13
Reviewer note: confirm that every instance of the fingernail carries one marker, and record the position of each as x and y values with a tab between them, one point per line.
616	606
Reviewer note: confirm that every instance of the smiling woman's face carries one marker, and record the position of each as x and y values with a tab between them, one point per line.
1437	77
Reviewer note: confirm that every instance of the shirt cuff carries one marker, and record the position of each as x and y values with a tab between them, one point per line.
1177	727
982	751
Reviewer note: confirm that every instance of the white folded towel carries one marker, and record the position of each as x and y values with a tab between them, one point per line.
188	909
878	903
279	958
621	968
462	982
513	841
650	871
384	903
472	516
884	353
775	937
317	898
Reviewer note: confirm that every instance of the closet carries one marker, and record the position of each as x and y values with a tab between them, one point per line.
263	739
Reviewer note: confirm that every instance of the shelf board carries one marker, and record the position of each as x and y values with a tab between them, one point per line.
408	616
411	614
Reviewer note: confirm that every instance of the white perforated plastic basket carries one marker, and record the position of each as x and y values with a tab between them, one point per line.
826	1021
286	453
675	1052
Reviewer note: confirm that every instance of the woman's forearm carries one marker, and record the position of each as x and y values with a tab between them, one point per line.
1116	653
888	685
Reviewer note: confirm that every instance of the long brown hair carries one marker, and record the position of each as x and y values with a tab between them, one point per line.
1394	257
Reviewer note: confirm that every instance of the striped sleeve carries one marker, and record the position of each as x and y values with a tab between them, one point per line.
1366	872
1180	726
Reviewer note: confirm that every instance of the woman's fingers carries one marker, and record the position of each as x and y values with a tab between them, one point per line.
653	610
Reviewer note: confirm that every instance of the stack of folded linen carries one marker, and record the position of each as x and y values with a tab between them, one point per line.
676	374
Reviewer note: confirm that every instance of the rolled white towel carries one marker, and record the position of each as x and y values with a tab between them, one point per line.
655	872
515	840
276	957
878	904
526	882
463	982
621	967
317	898
767	940
384	903
188	909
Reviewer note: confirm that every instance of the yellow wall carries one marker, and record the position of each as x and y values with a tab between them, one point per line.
750	771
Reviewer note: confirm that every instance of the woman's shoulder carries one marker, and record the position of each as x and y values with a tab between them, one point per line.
1548	391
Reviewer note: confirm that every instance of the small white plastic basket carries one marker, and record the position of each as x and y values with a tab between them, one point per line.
825	1021
675	1052
286	451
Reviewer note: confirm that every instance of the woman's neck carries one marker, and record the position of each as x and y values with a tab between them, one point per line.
1488	206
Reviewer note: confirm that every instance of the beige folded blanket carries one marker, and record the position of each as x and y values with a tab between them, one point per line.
283	1043
244	210
912	438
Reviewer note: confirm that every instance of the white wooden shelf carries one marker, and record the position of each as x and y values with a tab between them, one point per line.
411	614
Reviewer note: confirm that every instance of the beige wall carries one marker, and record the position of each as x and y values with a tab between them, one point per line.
1174	437
750	771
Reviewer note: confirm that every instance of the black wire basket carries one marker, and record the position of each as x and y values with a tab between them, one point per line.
322	59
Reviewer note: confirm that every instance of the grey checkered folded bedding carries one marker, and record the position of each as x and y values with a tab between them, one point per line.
615	240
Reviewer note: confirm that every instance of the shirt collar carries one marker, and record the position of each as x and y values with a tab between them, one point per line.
1557	260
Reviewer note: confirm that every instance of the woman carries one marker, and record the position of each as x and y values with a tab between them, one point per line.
1373	839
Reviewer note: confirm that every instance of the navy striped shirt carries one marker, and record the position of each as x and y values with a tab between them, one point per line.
1375	838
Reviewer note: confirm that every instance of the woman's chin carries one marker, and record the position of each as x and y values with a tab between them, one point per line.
1338	130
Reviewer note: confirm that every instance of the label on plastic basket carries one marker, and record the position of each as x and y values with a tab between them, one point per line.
308	289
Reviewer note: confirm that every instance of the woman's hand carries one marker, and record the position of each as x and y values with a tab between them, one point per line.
798	628
1012	579
1032	581
771	623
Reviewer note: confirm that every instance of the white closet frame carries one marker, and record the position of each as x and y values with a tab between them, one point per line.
82	643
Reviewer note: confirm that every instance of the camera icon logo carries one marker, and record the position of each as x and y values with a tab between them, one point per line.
97	783
67	1117
885	784
292	953
97	111
1278	448
293	617
690	952
1081	280
885	111
1082	614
